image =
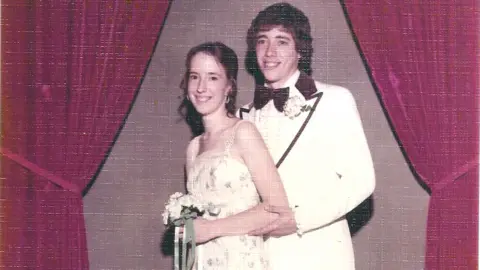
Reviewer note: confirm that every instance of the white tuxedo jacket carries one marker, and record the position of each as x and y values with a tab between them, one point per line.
327	172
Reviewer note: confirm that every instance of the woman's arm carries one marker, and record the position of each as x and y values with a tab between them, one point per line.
192	150
253	151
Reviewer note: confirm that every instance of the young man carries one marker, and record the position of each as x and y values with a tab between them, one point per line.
315	135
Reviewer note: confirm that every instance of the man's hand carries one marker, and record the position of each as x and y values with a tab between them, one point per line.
284	225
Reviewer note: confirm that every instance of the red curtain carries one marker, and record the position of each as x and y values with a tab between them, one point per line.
422	57
71	71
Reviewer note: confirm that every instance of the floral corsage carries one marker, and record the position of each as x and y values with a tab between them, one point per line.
295	106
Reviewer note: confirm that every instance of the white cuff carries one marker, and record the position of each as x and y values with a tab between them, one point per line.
299	225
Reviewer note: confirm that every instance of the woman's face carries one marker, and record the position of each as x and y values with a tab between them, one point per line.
208	85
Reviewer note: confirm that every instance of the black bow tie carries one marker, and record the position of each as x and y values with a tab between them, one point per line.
264	94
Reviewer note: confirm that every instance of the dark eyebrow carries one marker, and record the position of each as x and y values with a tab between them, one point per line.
209	73
213	73
283	37
276	37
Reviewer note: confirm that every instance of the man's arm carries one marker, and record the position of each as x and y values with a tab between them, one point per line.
353	165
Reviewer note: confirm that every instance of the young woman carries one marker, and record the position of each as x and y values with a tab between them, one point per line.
228	164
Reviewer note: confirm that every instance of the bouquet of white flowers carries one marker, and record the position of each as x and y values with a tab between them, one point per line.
180	211
181	207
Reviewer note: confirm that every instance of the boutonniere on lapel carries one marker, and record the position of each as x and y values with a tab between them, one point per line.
295	106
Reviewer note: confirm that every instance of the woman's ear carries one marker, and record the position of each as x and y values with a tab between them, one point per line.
229	88
232	84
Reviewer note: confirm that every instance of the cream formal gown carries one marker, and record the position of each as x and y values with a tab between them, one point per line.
217	177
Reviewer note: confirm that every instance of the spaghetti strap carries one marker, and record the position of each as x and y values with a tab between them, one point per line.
195	146
230	141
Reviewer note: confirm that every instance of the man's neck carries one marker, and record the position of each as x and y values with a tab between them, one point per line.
288	81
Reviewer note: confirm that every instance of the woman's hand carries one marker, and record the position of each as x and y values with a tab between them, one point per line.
204	230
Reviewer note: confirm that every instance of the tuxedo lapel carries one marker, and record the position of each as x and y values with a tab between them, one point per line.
280	133
244	113
297	126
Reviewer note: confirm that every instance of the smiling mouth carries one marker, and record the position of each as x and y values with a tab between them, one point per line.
270	65
202	99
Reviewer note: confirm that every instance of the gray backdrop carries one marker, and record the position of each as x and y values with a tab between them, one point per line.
123	209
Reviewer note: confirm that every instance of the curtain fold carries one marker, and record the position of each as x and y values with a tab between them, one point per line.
72	71
422	59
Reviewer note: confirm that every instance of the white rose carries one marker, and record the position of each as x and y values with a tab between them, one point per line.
185	200
199	204
212	209
293	107
174	209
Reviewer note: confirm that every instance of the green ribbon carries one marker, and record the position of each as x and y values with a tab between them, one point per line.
188	237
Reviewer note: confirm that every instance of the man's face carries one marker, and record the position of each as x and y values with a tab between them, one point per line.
276	55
